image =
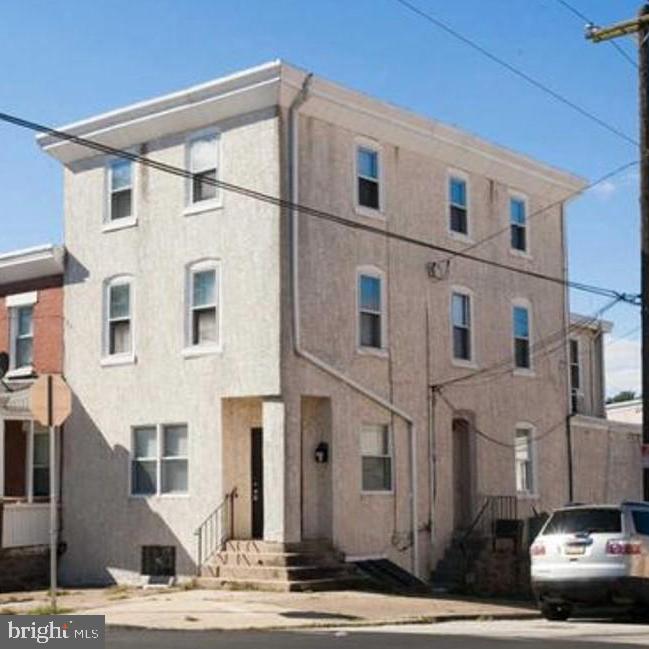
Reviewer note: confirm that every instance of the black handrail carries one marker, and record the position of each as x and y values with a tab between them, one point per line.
215	530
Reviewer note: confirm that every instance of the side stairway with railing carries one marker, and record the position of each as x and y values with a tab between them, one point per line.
215	531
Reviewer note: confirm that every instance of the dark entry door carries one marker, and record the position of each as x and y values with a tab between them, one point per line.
461	473
257	482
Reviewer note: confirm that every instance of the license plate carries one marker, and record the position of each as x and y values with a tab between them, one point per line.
574	550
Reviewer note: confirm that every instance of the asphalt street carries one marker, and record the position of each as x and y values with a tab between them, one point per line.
452	635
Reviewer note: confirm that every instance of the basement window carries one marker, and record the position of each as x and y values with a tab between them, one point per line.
159	560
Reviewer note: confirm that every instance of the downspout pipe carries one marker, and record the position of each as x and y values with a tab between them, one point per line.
293	180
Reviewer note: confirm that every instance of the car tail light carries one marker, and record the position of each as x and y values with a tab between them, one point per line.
537	550
623	547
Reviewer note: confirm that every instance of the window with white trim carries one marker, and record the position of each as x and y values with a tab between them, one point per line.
575	376
22	337
461	325
160	460
370	307
376	458
41	463
521	328
458	205
518	223
368	177
524	460
120	190
118	335
203	304
203	159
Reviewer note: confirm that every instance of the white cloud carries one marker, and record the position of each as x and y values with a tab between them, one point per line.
623	366
605	189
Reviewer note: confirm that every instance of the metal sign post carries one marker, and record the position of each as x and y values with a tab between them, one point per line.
51	404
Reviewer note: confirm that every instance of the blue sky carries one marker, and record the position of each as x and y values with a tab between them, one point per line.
64	60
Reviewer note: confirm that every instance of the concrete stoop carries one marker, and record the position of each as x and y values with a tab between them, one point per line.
279	567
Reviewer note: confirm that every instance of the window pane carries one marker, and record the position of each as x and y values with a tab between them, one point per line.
375	440
458	192
368	193
461	343
641	522
24	352
598	521
120	337
203	187
175	441
518	238
517	211
25	320
41	484
458	220
377	474
370	330
521	322
120	177
522	352
204	329
120	301
368	163
204	288
120	204
574	352
370	293
204	153
522	445
144	477
174	476
461	310
41	449
145	440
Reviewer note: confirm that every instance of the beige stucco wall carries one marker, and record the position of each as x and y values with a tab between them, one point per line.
103	526
591	369
608	460
418	327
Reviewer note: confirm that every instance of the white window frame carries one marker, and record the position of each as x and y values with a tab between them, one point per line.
13	304
192	207
125	358
517	196
575	392
189	349
472	362
524	304
377	273
158	459
531	432
375	147
109	225
456	174
390	455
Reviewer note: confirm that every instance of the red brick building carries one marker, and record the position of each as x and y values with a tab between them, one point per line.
31	343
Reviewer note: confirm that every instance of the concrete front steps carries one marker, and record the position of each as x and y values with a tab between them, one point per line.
279	567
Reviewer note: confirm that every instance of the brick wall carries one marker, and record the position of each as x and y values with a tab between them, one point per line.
48	322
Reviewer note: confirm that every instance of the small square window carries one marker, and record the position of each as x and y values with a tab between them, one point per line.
159	560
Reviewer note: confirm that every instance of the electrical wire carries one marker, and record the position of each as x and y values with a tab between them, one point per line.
305	210
518	72
620	50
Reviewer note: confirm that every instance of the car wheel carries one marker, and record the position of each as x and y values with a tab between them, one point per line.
555	612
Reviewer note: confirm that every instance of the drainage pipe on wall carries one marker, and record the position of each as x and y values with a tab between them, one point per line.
293	179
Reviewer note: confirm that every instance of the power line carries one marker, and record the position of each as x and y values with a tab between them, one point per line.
588	21
559	336
518	72
309	211
578	192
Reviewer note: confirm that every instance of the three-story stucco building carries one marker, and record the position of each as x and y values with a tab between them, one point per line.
333	364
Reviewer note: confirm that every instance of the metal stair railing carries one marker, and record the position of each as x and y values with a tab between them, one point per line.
214	532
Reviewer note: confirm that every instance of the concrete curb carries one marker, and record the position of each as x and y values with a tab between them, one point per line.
344	624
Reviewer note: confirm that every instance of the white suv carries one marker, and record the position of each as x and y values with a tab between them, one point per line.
592	555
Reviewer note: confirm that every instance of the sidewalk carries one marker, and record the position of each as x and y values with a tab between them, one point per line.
239	610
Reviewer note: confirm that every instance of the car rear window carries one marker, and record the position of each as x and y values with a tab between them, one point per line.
574	521
641	522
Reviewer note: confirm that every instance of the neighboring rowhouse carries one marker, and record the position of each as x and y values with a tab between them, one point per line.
246	370
31	343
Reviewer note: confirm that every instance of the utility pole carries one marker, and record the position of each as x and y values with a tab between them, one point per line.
639	26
